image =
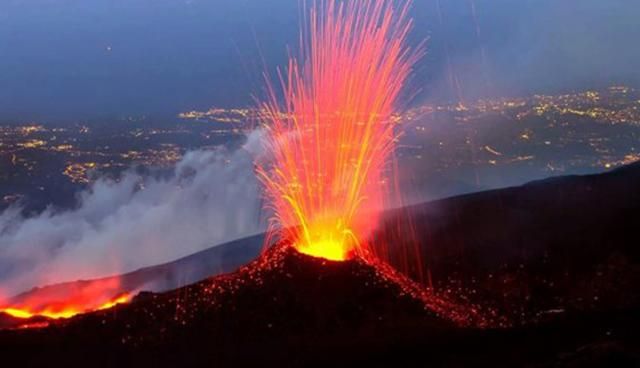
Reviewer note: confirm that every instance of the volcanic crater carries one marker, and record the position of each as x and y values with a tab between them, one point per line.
282	299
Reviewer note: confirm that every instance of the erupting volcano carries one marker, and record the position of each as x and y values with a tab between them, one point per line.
545	274
329	139
332	135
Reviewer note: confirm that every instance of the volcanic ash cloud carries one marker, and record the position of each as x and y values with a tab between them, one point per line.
210	197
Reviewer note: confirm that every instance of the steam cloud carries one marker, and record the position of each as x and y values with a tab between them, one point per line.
210	198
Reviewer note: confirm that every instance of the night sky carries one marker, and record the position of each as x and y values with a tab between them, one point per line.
77	59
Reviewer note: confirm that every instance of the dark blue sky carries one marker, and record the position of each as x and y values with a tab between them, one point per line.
86	59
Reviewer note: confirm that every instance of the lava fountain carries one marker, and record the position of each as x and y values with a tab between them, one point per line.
329	126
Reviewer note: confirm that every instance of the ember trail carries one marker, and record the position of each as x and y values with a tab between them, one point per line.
330	133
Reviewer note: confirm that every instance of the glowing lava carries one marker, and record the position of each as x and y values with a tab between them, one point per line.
68	299
329	249
331	135
64	310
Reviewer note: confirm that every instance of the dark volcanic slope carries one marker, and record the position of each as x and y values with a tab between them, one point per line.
562	253
188	270
283	298
530	251
286	309
569	243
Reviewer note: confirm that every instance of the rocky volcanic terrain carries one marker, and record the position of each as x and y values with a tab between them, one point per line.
544	275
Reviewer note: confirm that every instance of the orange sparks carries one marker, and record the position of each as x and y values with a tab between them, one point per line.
331	136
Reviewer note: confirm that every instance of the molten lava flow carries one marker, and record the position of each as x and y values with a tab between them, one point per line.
332	137
63	310
67	300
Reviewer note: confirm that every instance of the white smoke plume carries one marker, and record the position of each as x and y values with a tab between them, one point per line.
210	198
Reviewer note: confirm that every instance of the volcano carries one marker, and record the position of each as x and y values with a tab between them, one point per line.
577	272
290	309
310	305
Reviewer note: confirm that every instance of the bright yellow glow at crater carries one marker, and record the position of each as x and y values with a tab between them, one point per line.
328	249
